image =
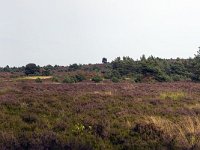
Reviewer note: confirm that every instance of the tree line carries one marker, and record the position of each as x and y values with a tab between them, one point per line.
146	69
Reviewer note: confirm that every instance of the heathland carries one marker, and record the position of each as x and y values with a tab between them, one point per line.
150	103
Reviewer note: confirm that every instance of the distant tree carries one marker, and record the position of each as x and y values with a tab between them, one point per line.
74	67
45	72
198	54
7	69
31	69
143	58
196	67
104	60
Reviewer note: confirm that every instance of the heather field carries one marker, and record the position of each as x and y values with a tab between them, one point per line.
99	75
106	115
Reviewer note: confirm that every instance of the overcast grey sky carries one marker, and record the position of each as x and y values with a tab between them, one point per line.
83	31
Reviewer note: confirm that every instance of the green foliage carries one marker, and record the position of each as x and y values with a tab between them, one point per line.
115	79
97	79
38	80
79	77
55	79
104	60
146	69
78	129
31	69
69	79
7	69
74	79
46	72
152	69
74	67
195	68
177	77
96	69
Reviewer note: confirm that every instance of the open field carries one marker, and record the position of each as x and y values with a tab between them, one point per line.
34	77
99	116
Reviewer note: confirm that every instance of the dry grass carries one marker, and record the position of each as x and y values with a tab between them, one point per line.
195	106
107	93
35	77
6	90
186	131
172	95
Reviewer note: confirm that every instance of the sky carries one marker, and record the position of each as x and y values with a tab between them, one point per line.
64	32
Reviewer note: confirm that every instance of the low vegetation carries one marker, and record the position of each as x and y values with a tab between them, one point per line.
99	116
151	69
172	95
125	104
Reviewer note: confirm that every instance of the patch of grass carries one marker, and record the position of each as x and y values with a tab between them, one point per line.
194	106
106	93
6	90
35	77
172	95
97	79
185	131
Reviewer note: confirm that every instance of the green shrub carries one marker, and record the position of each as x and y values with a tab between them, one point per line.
78	129
68	79
137	78
74	67
177	78
74	79
162	77
96	69
46	72
97	79
80	77
55	79
115	80
38	80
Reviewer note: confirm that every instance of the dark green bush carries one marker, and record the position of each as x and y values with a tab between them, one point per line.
115	80
69	79
177	78
97	79
162	77
74	67
46	72
31	69
80	77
